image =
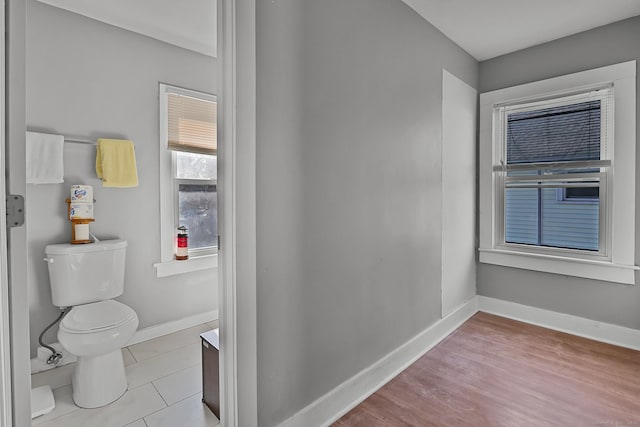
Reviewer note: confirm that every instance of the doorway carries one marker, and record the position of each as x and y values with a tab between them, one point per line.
17	297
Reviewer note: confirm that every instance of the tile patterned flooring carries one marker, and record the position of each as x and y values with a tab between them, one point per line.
165	387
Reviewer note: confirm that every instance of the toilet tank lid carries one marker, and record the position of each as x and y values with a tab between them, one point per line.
101	246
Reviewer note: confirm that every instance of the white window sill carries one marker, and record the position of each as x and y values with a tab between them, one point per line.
589	269
173	267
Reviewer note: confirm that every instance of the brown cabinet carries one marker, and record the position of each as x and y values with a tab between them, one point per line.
210	371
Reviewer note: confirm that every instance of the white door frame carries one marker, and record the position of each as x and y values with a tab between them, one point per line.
237	212
226	223
6	417
16	254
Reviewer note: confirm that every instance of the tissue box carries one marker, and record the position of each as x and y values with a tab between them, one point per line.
82	193
81	211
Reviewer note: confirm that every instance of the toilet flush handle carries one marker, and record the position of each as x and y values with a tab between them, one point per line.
49	260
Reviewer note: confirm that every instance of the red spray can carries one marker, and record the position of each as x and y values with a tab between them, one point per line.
182	251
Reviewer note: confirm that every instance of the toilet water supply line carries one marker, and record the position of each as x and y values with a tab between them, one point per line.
55	357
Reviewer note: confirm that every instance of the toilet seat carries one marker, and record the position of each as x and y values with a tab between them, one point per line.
96	317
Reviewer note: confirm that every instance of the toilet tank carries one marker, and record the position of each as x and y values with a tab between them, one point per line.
81	274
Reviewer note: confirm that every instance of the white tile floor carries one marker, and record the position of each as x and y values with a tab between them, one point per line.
165	387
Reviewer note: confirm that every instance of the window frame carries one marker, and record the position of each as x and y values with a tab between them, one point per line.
617	264
199	259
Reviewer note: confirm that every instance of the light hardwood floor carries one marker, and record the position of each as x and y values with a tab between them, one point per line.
494	371
165	388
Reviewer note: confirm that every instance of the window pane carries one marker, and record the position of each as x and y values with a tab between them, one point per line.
197	205
535	216
521	216
582	193
568	132
569	225
195	166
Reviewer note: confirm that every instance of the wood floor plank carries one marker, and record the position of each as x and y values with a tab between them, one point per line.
494	371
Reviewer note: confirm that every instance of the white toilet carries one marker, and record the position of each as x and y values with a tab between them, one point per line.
86	277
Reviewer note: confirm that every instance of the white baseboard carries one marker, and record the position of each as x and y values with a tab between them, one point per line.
173	326
592	329
349	394
333	405
141	335
39	363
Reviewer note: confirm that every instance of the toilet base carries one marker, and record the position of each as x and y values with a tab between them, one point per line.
99	380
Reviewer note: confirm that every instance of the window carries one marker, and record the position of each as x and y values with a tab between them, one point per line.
558	143
550	200
188	176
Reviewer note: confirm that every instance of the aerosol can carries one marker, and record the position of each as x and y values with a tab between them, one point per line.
182	251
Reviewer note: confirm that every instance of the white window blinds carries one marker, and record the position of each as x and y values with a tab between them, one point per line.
191	123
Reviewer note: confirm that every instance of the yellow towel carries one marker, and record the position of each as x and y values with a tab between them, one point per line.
116	163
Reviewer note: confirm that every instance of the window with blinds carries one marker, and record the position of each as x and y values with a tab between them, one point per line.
553	171
189	135
557	175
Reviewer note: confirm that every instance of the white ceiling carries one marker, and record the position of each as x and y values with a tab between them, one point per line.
484	28
490	28
190	24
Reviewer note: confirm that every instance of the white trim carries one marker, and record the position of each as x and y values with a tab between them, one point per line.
162	329
17	253
569	266
6	415
574	325
560	85
228	17
226	218
333	405
166	89
170	268
38	364
239	70
167	196
621	258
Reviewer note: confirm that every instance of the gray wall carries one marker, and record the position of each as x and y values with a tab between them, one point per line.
86	78
605	302
349	114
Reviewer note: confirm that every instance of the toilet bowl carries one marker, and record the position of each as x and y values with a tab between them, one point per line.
87	278
96	333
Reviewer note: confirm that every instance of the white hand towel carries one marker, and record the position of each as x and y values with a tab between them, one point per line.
44	153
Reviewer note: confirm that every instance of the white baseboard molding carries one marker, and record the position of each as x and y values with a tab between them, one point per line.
333	405
39	363
587	328
173	326
349	394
